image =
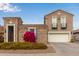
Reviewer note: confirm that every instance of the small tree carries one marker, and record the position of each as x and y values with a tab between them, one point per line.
29	37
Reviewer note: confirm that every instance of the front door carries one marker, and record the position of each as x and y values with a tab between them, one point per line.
10	33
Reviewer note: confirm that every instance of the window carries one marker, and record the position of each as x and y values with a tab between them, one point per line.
63	22
32	29
54	22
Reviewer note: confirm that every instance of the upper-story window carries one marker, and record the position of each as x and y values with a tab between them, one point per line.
63	22
54	22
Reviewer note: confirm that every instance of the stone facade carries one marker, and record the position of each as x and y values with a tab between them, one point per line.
9	21
41	29
20	29
41	32
58	13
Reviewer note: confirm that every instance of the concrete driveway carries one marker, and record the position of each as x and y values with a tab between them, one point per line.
66	49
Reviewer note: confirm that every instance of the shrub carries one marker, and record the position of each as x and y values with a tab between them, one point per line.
22	45
29	37
73	39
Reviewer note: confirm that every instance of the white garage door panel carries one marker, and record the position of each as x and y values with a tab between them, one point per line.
54	37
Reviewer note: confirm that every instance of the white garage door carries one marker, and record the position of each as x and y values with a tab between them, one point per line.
58	37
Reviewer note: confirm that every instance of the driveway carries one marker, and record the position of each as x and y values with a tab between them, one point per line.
66	49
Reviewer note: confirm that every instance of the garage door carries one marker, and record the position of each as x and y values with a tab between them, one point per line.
58	37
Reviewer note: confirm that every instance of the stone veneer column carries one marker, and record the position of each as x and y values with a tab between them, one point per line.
10	21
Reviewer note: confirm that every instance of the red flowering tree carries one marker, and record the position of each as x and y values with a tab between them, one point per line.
29	37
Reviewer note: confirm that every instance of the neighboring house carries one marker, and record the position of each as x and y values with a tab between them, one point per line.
76	34
1	32
57	27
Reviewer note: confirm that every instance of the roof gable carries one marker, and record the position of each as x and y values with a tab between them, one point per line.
57	11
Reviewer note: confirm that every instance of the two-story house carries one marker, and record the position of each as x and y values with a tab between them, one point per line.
57	27
60	25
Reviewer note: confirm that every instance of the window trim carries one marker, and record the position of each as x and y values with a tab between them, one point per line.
54	27
63	19
54	22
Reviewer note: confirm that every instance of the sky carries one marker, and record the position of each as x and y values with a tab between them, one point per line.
33	13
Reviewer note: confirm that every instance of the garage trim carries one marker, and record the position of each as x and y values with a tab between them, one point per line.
60	32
